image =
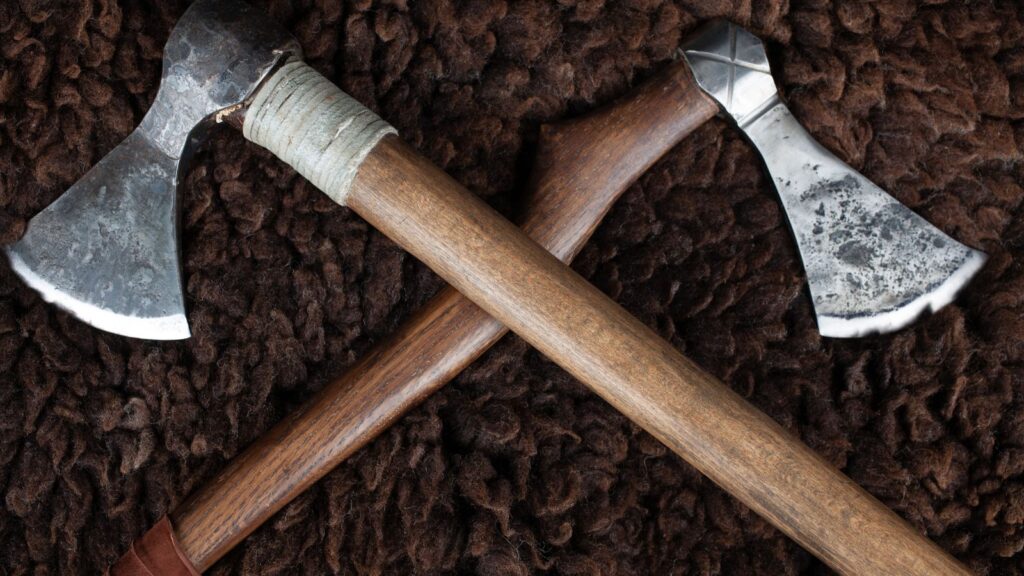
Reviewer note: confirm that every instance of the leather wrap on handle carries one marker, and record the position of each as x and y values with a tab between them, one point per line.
518	283
156	553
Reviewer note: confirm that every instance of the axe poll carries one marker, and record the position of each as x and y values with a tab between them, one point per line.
223	59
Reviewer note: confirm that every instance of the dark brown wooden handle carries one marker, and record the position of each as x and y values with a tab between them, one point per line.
583	166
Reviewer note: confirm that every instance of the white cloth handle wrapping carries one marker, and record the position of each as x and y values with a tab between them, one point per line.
308	122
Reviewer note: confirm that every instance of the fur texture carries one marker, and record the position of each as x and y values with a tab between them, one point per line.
515	468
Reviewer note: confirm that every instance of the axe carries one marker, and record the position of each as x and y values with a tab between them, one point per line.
106	250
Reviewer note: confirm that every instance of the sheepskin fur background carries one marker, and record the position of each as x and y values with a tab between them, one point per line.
515	468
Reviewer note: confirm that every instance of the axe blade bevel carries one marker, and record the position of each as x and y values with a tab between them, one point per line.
107	249
872	264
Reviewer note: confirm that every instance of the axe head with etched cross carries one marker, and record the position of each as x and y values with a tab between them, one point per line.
107	249
872	264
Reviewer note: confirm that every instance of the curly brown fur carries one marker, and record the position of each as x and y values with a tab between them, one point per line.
515	468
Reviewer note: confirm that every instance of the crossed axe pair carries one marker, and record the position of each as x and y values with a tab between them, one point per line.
107	251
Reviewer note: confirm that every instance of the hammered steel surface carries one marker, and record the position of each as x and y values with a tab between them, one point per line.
872	264
107	249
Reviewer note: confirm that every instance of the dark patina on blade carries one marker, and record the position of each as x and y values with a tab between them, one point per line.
872	264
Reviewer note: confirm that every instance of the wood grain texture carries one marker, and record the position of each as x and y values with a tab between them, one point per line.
543	301
582	167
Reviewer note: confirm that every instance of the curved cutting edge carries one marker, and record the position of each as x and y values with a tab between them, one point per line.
107	249
873	265
172	327
892	320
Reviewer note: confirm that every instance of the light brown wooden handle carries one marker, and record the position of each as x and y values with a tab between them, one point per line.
741	449
582	167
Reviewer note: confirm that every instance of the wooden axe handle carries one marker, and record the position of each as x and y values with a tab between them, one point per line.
523	286
582	167
570	321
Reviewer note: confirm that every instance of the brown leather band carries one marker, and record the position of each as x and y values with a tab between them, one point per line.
155	554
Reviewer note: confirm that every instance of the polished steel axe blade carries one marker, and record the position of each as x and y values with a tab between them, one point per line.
107	249
872	264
